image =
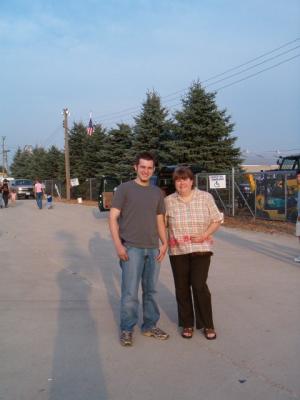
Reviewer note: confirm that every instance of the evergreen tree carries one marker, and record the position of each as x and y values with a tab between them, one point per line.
77	145
117	154
21	165
152	129
93	156
55	164
38	164
86	152
203	133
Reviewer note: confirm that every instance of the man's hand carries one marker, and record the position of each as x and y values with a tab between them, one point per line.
162	252
122	253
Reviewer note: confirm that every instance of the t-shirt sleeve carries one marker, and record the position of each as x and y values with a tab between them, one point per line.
214	212
161	208
118	198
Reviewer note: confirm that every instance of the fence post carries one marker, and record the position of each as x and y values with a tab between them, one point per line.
91	195
255	199
285	196
233	179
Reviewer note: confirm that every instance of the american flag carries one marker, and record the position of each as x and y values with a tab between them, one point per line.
90	128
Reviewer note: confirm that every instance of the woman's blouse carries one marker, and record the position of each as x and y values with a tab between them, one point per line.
186	219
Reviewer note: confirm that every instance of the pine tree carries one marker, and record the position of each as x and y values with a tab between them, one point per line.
152	129
77	146
203	133
21	165
117	154
55	164
93	156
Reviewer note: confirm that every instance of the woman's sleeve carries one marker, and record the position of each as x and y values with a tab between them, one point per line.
214	212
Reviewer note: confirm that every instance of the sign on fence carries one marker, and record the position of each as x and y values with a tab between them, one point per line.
74	182
217	181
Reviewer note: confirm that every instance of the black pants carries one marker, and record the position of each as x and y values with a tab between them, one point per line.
190	273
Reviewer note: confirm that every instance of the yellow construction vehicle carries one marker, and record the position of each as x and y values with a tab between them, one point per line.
276	190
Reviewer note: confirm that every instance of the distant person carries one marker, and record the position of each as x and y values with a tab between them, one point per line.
49	204
137	223
192	217
5	192
1	196
13	196
38	192
297	259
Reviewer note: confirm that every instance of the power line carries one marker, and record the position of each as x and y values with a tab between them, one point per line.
132	109
222	87
258	73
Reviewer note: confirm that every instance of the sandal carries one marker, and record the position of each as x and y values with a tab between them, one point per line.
210	333
187	333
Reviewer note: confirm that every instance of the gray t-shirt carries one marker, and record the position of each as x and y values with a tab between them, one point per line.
139	206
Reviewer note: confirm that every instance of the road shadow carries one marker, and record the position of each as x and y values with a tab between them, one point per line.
106	262
99	214
274	250
77	371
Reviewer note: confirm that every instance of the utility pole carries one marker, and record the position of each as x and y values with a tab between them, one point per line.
6	161
3	155
67	156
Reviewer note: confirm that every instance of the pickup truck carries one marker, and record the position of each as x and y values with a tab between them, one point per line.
24	188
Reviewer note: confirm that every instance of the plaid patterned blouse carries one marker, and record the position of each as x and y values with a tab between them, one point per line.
188	219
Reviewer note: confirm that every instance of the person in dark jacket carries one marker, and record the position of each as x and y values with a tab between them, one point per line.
5	192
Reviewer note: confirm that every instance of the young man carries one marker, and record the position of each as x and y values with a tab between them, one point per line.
137	223
297	259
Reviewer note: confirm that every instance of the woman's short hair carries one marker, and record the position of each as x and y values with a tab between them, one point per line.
183	173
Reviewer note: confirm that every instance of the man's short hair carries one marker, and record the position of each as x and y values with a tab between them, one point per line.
145	155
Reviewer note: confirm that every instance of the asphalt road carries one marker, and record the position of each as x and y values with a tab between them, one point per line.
59	304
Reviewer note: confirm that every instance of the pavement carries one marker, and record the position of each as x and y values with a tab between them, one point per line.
59	316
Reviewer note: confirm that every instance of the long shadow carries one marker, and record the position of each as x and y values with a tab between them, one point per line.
77	372
105	260
103	252
276	251
167	301
99	215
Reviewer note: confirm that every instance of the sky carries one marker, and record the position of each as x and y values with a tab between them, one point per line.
102	56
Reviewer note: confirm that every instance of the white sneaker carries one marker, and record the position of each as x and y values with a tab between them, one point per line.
297	259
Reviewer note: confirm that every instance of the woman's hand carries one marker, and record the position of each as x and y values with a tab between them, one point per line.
200	238
162	252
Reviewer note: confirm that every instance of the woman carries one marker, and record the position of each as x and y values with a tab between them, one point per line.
38	192
192	218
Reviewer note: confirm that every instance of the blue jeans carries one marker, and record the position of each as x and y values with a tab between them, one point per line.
142	266
39	199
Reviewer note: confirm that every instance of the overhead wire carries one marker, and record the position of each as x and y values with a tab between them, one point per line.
130	110
219	88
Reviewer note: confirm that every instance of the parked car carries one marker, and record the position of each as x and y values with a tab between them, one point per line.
24	188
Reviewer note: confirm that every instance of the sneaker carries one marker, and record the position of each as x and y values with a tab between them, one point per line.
297	259
157	333
126	338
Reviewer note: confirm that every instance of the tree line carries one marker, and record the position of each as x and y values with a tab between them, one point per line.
199	133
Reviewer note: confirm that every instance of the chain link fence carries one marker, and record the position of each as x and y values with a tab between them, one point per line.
87	190
269	195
